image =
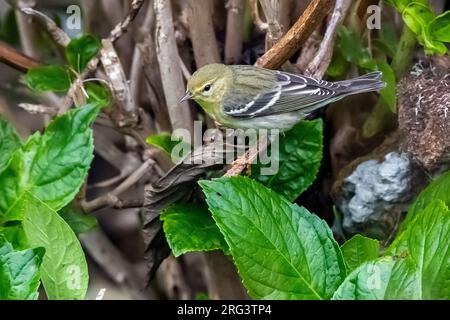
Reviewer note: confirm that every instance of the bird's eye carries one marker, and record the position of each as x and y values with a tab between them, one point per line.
207	88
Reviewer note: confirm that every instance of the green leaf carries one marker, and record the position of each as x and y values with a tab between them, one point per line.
79	221
97	93
388	93
437	190
80	51
417	17
359	249
51	166
64	272
15	235
338	66
387	41
202	296
426	241
9	142
385	279
48	78
167	143
300	155
190	228
439	28
19	272
353	49
419	267
400	5
280	249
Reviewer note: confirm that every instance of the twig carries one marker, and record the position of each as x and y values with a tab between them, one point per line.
38	109
122	27
309	50
201	32
261	25
128	204
26	30
171	280
16	59
119	84
113	11
296	36
168	58
249	157
58	35
184	69
235	24
222	278
126	162
277	17
319	64
112	261
111	198
114	35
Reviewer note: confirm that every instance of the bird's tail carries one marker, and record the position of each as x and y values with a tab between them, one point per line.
366	83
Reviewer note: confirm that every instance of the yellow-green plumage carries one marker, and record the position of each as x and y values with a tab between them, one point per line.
251	97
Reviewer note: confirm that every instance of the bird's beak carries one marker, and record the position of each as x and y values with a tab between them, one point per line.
186	96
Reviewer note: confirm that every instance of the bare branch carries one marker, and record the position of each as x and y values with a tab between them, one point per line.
38	109
261	25
122	27
235	24
112	261
119	84
16	59
168	58
115	34
277	18
322	59
26	30
58	35
201	32
112	197
297	35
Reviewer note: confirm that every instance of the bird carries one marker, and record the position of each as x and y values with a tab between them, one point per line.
250	97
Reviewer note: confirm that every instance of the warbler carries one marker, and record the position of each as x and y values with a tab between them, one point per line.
243	96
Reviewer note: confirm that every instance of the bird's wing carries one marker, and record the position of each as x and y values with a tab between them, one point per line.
290	93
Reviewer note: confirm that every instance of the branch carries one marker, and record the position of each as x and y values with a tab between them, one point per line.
114	35
322	59
16	59
122	27
38	109
119	84
111	198
260	25
26	30
168	58
116	266
235	25
296	36
309	50
201	31
277	17
58	35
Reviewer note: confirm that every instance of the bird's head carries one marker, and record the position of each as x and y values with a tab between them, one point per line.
207	85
